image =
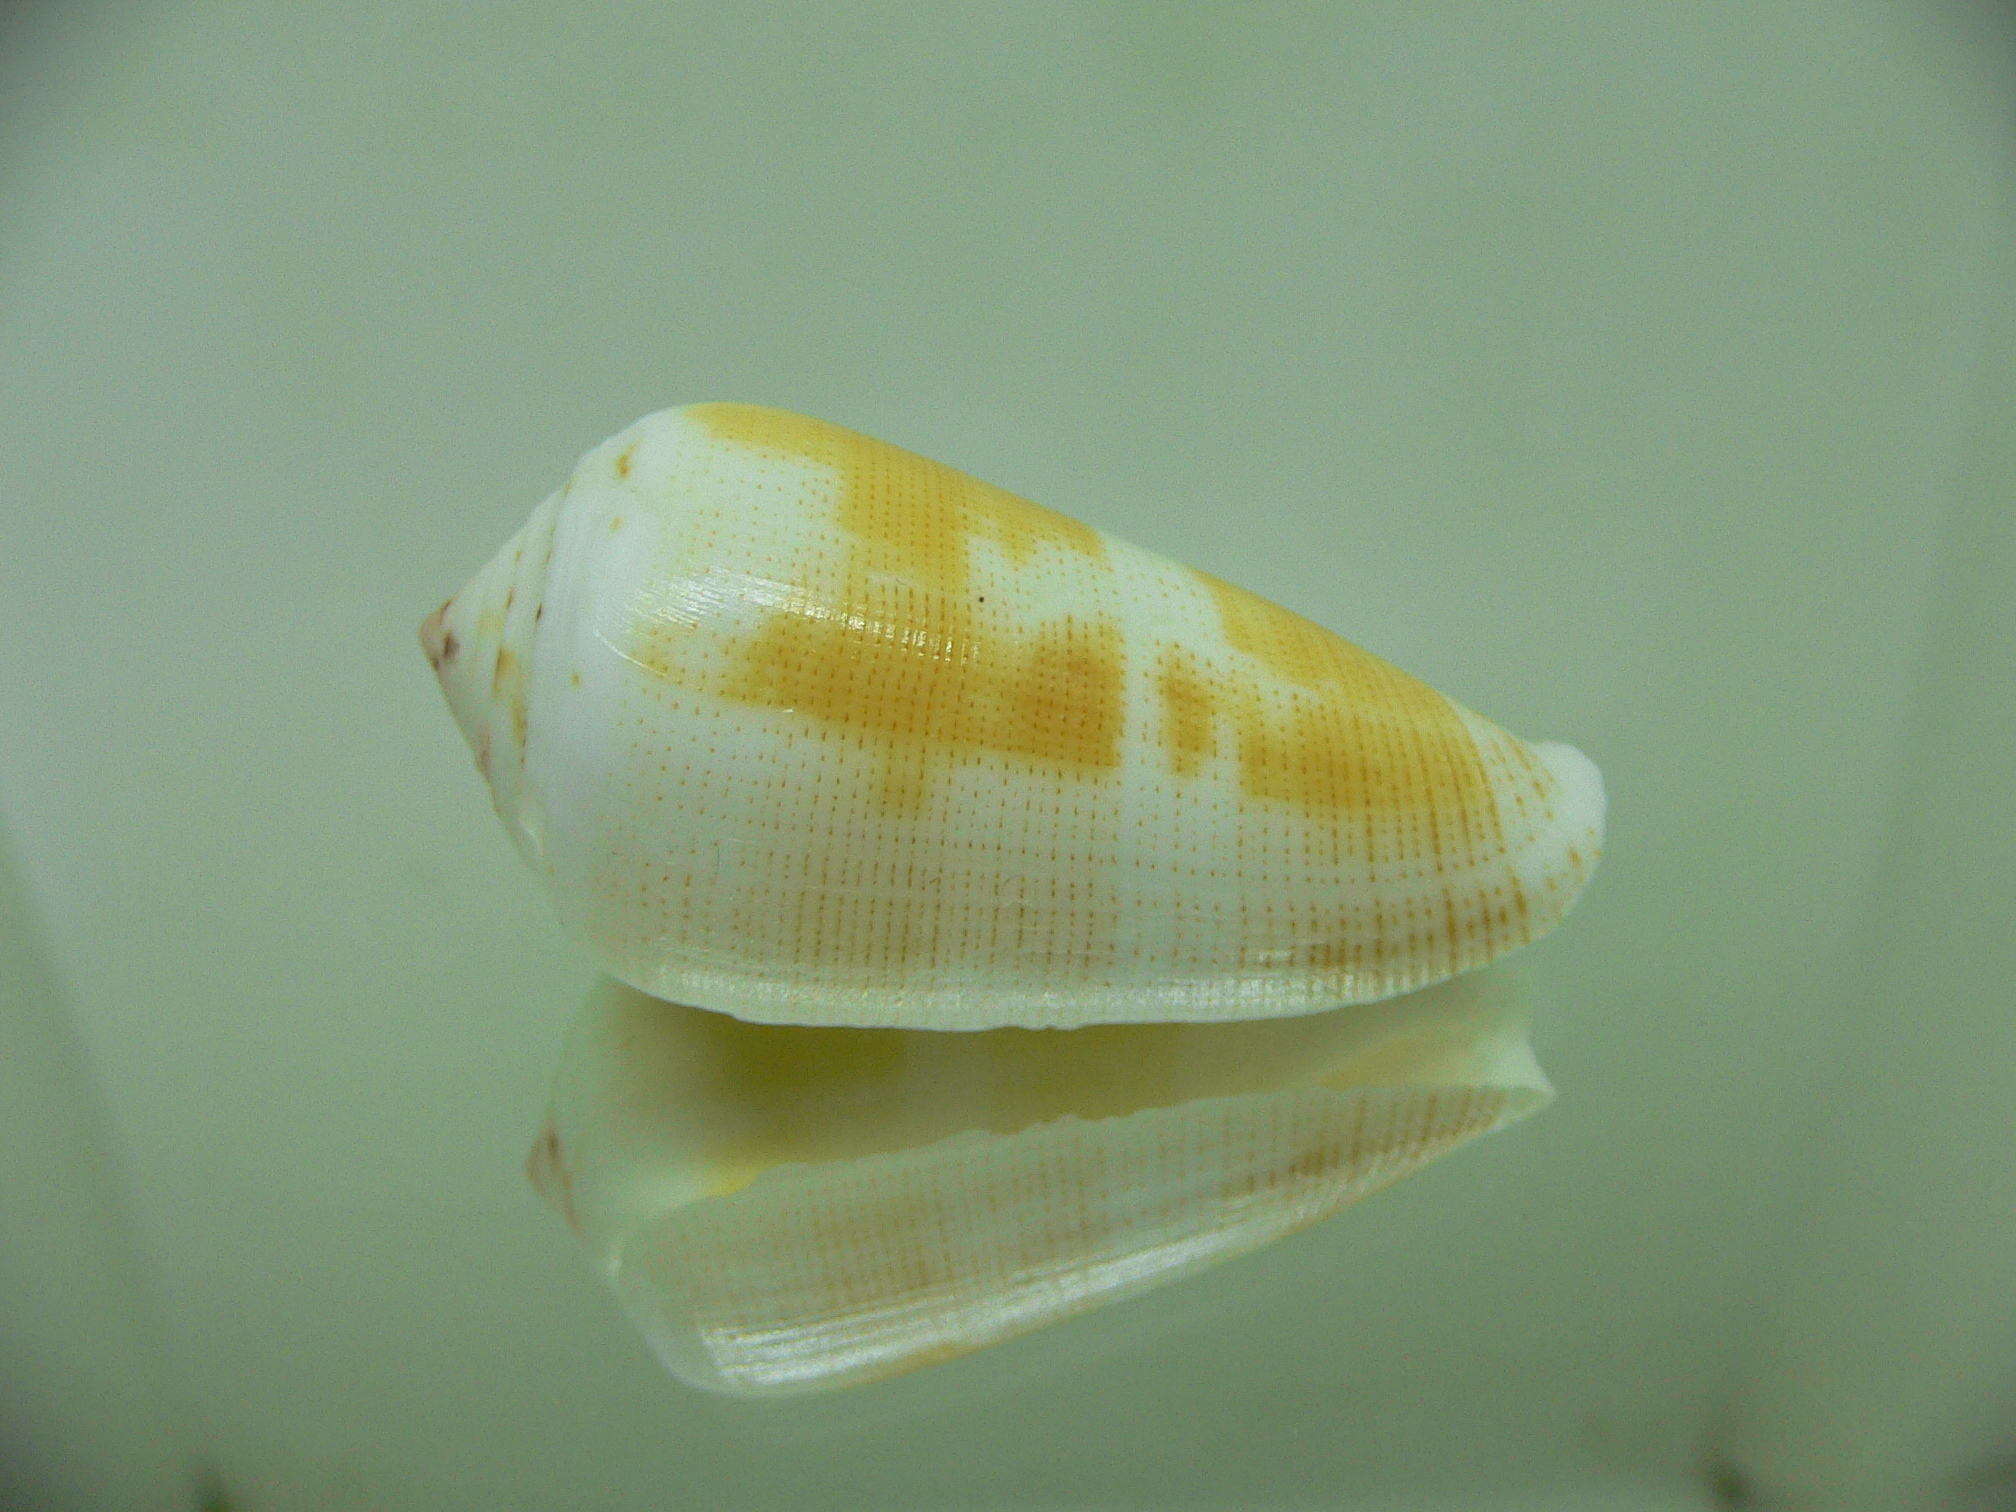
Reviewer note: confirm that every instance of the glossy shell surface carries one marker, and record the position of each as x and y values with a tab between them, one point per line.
803	727
783	1210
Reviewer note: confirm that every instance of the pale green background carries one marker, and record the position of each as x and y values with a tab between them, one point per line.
1614	367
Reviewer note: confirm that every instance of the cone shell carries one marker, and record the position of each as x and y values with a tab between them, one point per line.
783	1210
809	729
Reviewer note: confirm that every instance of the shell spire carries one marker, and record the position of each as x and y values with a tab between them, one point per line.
806	728
480	644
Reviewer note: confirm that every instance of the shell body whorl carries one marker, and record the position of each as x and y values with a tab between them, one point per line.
802	727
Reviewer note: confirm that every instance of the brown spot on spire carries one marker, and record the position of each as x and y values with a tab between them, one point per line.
436	639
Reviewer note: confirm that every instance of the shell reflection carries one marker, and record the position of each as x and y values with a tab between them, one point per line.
785	1209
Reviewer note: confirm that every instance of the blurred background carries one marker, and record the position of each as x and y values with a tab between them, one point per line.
1642	376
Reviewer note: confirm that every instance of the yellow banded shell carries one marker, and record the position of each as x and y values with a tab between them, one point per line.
784	1210
806	728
